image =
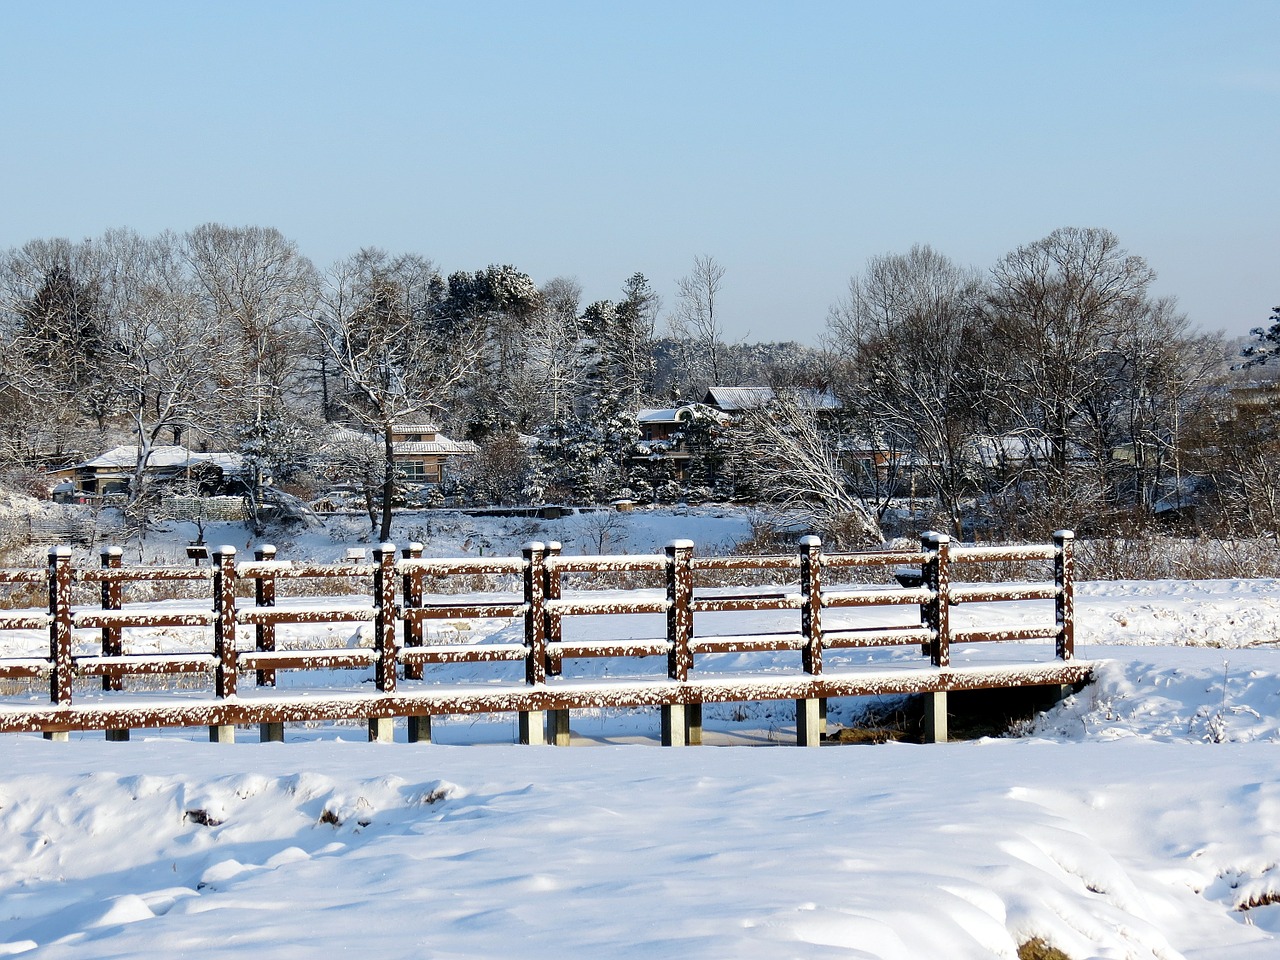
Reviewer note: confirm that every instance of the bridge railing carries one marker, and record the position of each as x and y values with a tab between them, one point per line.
540	592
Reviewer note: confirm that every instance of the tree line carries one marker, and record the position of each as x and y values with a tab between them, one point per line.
1052	385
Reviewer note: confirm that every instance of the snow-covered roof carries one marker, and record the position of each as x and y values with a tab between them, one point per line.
733	399
414	428
161	458
663	415
673	414
441	446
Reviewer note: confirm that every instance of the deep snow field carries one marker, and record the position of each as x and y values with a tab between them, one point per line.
1140	818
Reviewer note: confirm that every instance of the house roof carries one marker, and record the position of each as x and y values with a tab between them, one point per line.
414	428
162	458
442	446
735	399
672	414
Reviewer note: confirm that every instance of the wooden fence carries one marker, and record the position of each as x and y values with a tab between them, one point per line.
254	595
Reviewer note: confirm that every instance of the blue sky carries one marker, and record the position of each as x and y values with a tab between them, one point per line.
789	141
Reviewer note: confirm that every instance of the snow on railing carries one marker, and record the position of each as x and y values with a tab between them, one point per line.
398	606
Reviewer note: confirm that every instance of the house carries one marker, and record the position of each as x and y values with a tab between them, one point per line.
112	472
664	435
422	452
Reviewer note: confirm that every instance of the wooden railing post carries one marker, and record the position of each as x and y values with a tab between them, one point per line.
936	613
60	631
675	718
937	609
112	641
264	595
809	711
381	729
533	722
411	592
1064	575
557	720
264	636
224	635
112	594
555	621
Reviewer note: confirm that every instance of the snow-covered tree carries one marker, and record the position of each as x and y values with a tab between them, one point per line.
1268	346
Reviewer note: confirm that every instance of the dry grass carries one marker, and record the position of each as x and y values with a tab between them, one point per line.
1037	949
1259	900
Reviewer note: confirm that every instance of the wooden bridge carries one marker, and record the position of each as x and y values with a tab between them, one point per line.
235	657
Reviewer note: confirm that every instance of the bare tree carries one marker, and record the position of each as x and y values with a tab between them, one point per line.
908	338
164	346
696	321
376	321
783	453
259	291
1060	307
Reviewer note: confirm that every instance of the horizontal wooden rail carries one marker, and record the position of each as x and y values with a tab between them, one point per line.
143	574
466	566
398	607
871	637
874	558
789	562
24	621
876	598
997	554
459	611
748	604
610	563
474	699
152	663
275	616
993	593
22	576
107	619
439	653
346	658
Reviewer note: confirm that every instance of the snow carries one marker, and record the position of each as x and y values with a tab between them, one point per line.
1140	818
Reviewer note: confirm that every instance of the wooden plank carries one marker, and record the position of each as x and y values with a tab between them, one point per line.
522	698
151	664
1002	592
470	611
338	659
873	558
108	619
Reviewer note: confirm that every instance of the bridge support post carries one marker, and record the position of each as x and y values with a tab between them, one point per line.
271	732
675	725
533	727
558	728
382	730
808	723
693	723
419	729
935	717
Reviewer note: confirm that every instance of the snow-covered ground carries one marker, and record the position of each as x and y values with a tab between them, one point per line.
1138	819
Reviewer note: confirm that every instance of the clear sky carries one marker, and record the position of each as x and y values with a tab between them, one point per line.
790	141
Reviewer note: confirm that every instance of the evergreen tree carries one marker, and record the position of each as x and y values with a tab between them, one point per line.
1268	345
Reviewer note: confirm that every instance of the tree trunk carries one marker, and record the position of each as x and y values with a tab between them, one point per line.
388	483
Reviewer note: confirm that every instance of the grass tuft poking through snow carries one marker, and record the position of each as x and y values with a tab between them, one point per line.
1039	950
